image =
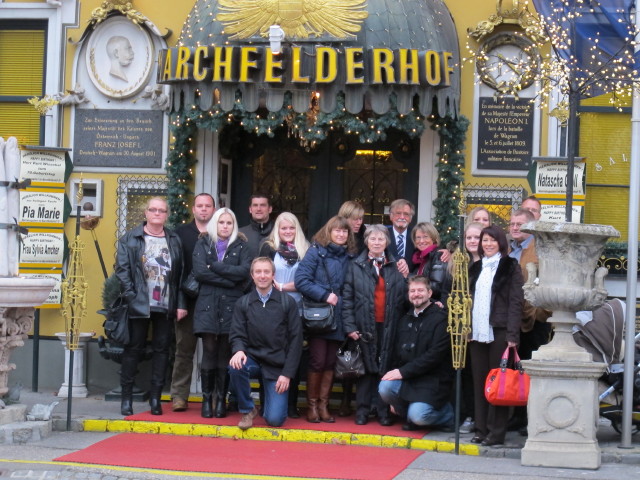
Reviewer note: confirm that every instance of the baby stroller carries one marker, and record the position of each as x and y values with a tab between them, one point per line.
601	333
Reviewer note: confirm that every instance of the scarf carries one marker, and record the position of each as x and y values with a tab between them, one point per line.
377	262
481	328
420	258
288	252
221	248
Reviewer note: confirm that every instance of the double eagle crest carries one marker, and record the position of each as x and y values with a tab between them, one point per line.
298	18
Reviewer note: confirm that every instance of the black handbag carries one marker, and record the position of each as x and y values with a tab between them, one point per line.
191	286
116	326
318	317
349	362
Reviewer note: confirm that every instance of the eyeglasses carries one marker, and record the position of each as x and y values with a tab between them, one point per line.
156	210
420	238
514	224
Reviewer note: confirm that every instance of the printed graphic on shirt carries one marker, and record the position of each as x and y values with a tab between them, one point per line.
157	267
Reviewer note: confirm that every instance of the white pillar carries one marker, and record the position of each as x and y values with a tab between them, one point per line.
79	388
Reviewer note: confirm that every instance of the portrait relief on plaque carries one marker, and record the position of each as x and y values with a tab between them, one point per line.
119	58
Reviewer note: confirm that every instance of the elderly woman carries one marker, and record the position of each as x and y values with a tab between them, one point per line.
221	263
428	261
496	286
320	278
286	246
149	267
374	295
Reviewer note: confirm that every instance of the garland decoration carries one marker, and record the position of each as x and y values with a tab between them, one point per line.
179	165
311	128
452	134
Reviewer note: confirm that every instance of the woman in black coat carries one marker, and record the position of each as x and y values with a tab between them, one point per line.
374	296
221	263
320	277
496	287
427	261
149	267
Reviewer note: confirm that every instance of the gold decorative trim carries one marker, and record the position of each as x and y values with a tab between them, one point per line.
125	7
517	14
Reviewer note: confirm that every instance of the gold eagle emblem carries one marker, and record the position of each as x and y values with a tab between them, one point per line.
298	18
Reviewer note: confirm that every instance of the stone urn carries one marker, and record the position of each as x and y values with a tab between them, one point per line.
563	401
18	297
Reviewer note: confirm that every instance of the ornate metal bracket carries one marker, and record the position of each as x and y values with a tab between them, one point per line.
517	14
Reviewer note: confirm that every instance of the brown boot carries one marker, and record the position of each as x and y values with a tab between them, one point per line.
326	383
313	390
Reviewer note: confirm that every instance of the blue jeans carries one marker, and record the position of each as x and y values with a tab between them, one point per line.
419	413
275	404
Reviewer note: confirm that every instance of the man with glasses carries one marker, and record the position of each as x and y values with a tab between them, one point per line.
401	213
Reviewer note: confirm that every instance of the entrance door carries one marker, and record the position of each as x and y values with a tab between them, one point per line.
313	183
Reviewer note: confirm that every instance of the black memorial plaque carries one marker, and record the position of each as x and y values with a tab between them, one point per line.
505	134
118	138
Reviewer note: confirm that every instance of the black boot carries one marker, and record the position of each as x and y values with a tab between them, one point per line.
294	391
126	400
154	400
207	377
222	386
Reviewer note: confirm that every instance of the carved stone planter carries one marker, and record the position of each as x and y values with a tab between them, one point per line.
563	403
18	296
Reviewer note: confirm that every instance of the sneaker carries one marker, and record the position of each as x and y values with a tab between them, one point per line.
247	419
467	426
179	405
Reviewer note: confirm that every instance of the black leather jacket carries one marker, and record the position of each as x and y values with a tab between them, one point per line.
129	270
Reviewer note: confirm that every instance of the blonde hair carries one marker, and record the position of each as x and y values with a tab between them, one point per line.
473	212
212	226
429	229
351	209
300	242
162	199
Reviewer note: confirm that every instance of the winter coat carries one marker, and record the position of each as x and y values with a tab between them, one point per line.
316	282
421	350
221	283
507	296
439	277
358	310
271	334
130	271
255	234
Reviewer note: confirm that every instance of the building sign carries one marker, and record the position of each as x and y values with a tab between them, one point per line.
41	207
42	247
550	178
43	166
118	138
55	295
505	134
352	65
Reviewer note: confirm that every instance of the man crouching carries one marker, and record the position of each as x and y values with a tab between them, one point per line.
266	342
418	382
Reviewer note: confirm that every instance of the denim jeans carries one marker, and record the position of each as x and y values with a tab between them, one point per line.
275	404
419	413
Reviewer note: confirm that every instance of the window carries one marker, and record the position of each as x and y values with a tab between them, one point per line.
22	56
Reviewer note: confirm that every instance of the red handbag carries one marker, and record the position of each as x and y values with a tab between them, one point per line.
507	387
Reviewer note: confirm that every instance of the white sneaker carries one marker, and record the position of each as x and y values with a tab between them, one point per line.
467	426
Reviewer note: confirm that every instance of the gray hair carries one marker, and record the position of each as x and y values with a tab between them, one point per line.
379	229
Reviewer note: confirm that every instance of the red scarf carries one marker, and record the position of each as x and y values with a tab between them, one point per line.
420	258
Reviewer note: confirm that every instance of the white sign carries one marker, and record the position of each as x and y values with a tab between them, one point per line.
557	213
42	247
551	178
41	166
41	207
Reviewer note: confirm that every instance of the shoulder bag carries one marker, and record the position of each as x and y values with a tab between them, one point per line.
507	387
116	326
349	362
318	317
191	286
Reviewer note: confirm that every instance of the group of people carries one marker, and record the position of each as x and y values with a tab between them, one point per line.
388	287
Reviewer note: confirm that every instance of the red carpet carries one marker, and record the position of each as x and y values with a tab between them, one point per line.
343	424
223	455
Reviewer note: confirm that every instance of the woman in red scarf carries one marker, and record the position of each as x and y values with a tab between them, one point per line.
427	261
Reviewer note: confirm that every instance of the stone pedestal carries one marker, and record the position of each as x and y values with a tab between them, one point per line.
78	387
563	414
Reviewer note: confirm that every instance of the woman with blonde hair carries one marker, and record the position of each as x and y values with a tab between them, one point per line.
221	263
320	278
480	215
286	245
354	213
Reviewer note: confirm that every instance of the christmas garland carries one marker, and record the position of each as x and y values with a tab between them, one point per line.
313	129
450	174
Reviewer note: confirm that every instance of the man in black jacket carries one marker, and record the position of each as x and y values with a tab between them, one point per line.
418	382
266	341
260	225
203	209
